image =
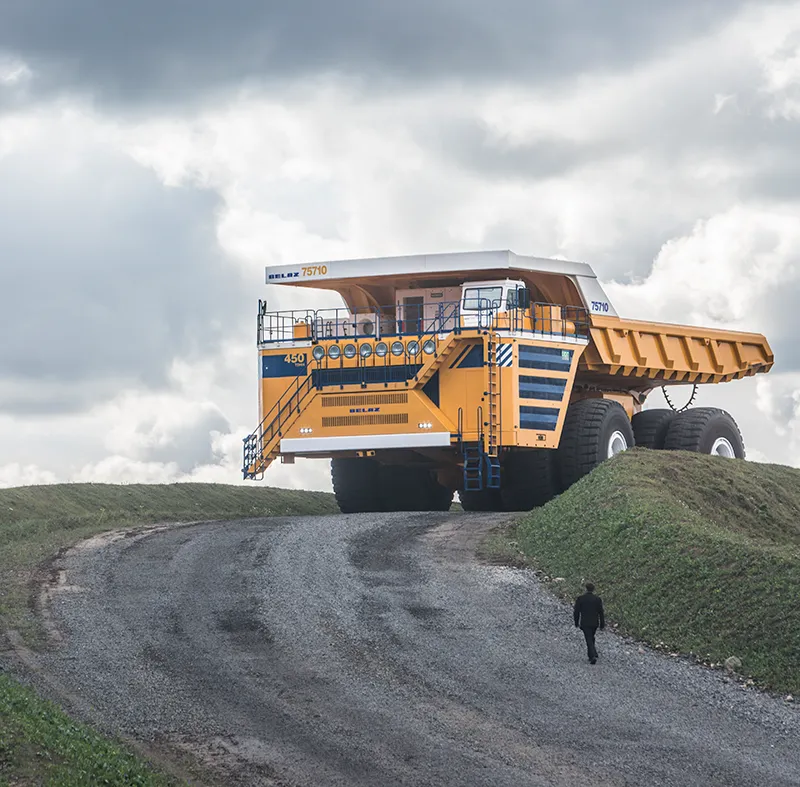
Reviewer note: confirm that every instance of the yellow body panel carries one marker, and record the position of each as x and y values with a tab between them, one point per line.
339	407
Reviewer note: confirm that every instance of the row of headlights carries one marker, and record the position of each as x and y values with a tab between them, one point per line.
381	350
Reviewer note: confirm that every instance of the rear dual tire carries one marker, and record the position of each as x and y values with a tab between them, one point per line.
705	430
702	430
650	428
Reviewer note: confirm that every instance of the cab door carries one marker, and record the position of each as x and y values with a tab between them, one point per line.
412	315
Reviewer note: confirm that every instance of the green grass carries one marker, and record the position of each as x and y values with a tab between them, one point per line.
691	553
40	745
38	521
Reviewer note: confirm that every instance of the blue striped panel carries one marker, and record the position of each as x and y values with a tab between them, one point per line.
473	359
461	353
505	354
543	419
550	358
541	388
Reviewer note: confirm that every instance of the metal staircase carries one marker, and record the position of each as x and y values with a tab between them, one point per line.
473	467
262	446
443	352
482	459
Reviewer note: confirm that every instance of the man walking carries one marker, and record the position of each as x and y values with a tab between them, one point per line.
588	614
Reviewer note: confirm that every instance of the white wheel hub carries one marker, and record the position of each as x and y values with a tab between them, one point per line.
616	444
723	447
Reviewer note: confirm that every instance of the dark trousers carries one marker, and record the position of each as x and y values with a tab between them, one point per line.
588	633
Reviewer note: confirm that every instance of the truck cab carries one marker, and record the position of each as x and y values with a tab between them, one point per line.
483	301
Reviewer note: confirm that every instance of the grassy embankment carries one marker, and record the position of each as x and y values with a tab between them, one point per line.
41	745
690	553
38	743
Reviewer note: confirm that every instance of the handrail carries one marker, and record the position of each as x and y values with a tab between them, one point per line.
254	443
398	320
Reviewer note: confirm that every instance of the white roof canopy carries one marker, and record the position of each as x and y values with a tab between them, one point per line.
422	265
380	276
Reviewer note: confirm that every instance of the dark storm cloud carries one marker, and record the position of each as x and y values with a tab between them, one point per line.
106	276
154	51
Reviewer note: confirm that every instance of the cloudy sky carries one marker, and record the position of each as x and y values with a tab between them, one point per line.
155	156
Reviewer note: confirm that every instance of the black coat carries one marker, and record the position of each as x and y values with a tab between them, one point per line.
588	611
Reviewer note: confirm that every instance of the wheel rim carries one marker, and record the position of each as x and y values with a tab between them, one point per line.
723	447
616	444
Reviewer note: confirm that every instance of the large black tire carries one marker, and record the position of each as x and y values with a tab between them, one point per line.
529	479
650	427
590	428
408	488
705	430
480	500
357	484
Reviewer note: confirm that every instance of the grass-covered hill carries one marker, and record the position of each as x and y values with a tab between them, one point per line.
696	552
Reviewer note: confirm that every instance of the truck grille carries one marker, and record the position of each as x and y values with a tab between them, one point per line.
362	400
366	420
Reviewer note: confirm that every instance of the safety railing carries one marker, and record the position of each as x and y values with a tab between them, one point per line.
271	425
546	319
418	320
341	323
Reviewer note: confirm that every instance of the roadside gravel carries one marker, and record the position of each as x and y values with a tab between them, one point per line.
374	650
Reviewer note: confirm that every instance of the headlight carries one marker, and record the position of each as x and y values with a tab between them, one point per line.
381	348
429	347
349	351
334	351
318	353
413	348
397	348
365	350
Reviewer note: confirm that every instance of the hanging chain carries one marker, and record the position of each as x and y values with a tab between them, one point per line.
686	406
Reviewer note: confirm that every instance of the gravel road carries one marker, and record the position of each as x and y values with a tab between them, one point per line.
374	650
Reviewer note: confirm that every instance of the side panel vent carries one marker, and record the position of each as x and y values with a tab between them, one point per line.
366	420
361	400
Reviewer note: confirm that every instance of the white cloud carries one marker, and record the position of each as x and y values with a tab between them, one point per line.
779	400
728	272
13	71
646	173
15	474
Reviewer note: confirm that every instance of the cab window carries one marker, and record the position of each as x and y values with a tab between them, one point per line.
476	298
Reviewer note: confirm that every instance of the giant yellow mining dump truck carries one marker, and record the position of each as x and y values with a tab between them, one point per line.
502	377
